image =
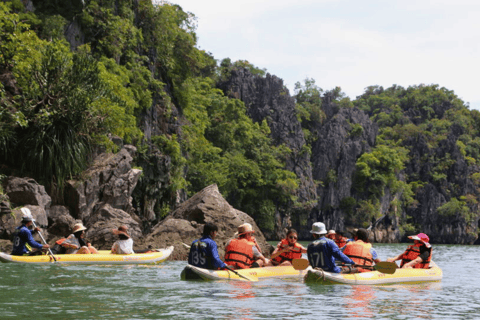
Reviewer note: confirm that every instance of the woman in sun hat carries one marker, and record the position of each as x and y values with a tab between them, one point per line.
417	255
124	244
75	243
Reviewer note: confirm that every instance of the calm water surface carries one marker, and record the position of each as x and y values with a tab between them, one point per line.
156	292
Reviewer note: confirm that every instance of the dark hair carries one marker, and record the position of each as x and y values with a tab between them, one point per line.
121	236
362	234
290	231
209	227
78	234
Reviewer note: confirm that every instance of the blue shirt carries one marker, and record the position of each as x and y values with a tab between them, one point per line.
204	254
323	252
22	236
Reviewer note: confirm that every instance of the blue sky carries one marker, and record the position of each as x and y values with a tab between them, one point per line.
346	43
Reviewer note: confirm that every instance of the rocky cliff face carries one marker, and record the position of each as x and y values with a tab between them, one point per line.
334	155
456	228
327	175
267	98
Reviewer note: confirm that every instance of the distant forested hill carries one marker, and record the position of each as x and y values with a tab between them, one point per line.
82	77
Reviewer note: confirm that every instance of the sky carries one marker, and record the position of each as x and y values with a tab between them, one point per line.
348	43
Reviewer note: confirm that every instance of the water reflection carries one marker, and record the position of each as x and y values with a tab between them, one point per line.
358	302
242	290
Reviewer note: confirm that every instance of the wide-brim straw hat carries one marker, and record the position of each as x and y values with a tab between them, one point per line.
331	232
244	228
78	227
121	230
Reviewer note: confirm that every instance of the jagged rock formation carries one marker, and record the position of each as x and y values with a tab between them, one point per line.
185	224
444	229
267	98
336	151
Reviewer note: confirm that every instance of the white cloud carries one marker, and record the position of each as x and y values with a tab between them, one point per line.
349	43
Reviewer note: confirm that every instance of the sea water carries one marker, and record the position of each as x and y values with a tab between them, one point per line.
156	292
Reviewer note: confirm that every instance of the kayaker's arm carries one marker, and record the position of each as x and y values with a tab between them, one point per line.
399	257
412	263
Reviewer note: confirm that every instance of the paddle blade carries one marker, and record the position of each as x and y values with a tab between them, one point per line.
300	264
386	267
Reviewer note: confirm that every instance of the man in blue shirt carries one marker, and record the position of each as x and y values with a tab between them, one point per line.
204	251
23	235
322	252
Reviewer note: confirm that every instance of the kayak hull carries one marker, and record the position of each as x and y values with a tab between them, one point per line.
103	257
194	273
434	273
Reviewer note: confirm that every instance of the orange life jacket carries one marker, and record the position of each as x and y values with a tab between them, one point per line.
295	253
412	253
341	242
359	252
239	253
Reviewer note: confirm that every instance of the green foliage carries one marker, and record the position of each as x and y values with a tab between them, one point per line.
356	130
456	208
366	212
377	169
225	147
226	67
347	205
171	147
309	101
476	178
65	106
331	177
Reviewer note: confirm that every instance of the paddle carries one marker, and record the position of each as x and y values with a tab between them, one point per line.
383	267
300	264
386	267
229	268
45	242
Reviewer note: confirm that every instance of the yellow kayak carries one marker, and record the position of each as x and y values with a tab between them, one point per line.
103	257
411	275
195	273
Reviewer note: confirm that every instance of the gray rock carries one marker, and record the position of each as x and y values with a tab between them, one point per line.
185	224
23	191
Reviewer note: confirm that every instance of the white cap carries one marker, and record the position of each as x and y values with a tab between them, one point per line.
27	215
318	228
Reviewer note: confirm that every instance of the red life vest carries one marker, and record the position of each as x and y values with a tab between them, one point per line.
239	253
295	253
412	253
359	252
341	242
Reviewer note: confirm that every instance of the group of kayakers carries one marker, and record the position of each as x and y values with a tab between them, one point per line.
75	243
243	251
355	255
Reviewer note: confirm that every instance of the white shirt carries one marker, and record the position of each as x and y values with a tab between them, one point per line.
123	246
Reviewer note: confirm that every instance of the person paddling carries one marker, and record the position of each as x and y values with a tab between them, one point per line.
204	251
287	250
322	252
417	255
23	236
